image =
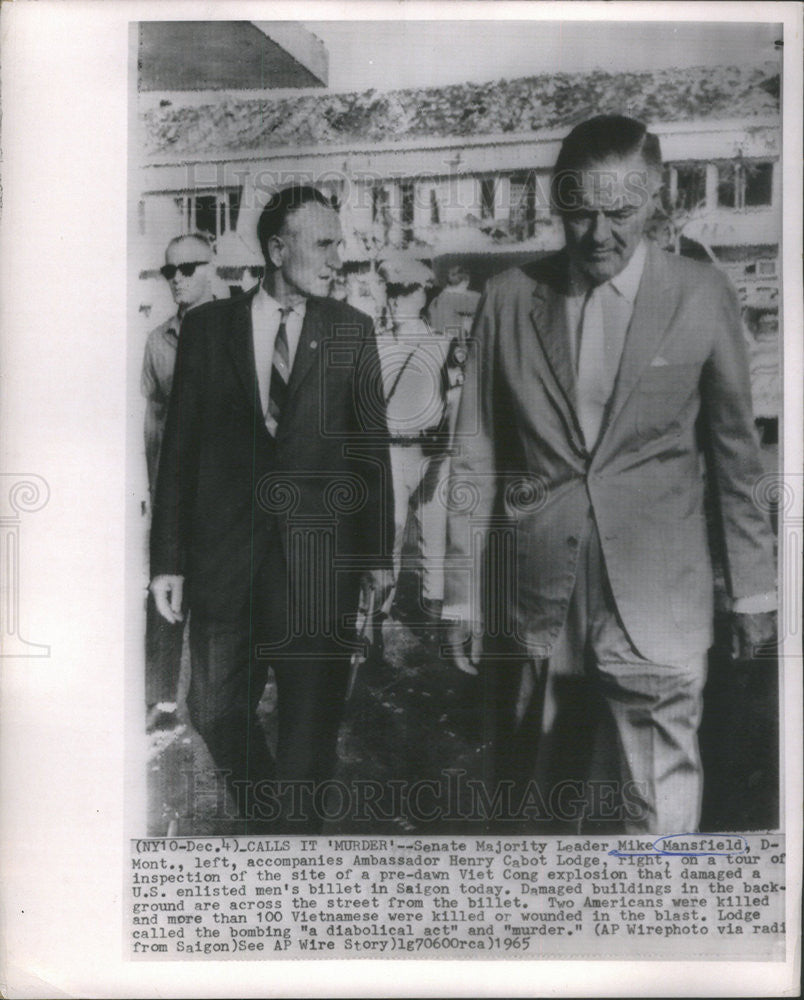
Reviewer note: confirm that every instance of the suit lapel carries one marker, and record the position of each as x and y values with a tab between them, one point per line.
241	348
549	318
312	333
650	319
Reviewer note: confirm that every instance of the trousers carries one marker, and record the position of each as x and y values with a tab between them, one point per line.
230	663
416	477
597	714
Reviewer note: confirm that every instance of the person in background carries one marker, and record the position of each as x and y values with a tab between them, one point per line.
250	277
338	289
413	359
364	289
453	309
188	270
766	383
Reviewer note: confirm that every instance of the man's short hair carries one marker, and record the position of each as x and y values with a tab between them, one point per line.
280	205
604	137
203	238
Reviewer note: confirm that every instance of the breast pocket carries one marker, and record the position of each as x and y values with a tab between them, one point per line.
662	396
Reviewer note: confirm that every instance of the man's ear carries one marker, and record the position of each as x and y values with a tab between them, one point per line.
276	251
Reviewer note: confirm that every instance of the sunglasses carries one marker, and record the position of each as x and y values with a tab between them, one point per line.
168	272
256	272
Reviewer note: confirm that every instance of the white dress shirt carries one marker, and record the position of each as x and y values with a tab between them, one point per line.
597	320
265	318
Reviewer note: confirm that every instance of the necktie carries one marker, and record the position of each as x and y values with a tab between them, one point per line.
594	386
280	374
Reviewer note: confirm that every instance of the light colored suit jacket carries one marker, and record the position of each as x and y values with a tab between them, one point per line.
523	484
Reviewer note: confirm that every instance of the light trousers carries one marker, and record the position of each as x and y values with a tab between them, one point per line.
634	722
416	477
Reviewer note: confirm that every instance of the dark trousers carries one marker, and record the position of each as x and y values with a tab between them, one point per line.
230	662
163	644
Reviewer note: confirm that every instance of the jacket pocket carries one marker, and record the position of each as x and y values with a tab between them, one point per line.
661	396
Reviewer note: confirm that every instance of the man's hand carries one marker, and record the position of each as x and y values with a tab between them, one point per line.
461	635
752	632
168	592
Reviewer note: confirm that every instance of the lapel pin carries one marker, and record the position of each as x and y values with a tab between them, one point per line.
313	344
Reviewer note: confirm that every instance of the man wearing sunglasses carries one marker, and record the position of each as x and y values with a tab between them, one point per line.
188	271
272	499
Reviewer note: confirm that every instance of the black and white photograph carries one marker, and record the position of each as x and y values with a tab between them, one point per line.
402	526
496	550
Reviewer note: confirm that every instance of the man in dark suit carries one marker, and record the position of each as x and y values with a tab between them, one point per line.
272	498
600	380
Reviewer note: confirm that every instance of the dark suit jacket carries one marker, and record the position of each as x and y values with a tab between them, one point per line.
682	393
227	492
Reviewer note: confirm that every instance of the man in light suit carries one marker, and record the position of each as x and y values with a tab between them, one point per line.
188	270
272	497
599	380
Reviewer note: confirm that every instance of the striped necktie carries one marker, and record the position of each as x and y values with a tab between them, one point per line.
280	374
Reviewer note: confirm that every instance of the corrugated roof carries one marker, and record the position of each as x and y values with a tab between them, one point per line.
529	104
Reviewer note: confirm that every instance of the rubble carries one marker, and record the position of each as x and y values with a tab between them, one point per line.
527	104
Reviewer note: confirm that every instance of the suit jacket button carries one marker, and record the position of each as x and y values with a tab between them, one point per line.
572	541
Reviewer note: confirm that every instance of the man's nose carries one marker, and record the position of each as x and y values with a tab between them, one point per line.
601	228
334	259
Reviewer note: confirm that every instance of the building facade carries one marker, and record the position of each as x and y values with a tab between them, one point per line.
445	172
